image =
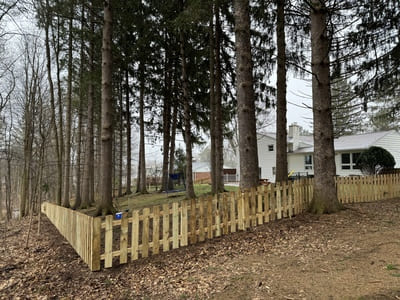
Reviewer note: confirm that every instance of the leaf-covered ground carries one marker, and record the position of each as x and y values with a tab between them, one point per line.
354	254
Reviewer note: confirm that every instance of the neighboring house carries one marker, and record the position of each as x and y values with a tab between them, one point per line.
300	151
202	173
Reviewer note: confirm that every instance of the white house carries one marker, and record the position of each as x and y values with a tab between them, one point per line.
300	151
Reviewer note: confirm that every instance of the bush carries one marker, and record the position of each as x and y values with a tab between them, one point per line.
374	160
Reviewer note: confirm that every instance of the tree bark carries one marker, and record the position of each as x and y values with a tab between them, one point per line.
219	125
325	196
142	188
166	144
213	160
121	141
53	107
128	136
281	136
88	176
105	205
172	146
187	122
67	179
166	118
249	174
57	50
78	198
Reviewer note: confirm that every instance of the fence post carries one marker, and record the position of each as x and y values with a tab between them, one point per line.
95	244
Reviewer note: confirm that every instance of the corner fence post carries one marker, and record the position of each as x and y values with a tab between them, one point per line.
94	264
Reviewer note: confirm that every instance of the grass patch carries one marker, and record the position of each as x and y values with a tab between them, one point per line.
138	201
391	267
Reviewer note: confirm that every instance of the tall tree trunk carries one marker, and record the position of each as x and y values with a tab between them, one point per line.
142	155
57	51
88	176
105	205
187	122
67	179
214	183
325	196
78	197
166	118
8	189
121	141
28	141
219	126
281	136
172	145
128	136
53	107
249	174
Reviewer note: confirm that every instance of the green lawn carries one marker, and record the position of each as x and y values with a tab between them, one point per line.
137	201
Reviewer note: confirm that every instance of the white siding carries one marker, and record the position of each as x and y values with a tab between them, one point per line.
296	163
391	142
266	158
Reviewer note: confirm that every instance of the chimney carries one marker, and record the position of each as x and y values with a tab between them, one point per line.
294	135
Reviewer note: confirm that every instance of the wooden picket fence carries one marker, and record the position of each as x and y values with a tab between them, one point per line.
80	230
150	230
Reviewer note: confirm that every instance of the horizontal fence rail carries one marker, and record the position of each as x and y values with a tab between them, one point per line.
160	228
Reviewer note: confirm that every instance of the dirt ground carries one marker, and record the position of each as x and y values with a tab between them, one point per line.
354	254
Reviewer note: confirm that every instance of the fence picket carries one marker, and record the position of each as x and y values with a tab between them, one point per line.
209	218
123	246
193	218
217	216
184	224
175	225
108	242
156	229
165	227
232	200
135	235
145	232
201	220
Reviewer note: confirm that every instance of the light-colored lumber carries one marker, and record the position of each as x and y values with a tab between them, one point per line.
145	232
175	225
201	220
108	242
123	258
165	227
156	230
193	219
217	216
232	216
184	223
135	235
209	218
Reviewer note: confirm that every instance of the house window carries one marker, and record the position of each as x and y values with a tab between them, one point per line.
308	162
273	170
346	165
270	148
349	161
354	157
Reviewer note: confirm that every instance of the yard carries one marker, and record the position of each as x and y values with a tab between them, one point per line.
354	254
137	201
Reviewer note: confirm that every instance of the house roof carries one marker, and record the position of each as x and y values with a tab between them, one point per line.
349	142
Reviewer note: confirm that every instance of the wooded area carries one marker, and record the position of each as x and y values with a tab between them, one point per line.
82	74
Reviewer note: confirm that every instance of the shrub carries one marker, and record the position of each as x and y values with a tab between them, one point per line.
375	159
